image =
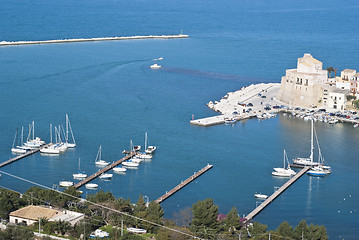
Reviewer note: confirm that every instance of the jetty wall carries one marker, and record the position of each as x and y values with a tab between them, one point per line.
6	43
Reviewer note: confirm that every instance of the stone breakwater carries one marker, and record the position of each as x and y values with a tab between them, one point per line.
6	43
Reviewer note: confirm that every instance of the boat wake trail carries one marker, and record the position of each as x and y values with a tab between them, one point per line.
105	67
213	75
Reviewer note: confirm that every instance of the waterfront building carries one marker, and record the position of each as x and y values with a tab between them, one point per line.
354	84
31	214
343	82
337	99
304	86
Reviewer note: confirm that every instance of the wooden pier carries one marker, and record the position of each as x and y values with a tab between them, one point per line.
18	157
183	183
276	194
109	167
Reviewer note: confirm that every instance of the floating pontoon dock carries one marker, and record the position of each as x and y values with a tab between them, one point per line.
276	194
109	167
183	183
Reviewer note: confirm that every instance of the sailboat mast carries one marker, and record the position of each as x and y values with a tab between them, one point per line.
145	141
311	144
51	132
13	143
22	135
33	130
67	128
284	158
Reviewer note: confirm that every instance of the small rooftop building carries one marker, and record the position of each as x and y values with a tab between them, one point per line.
337	99
31	214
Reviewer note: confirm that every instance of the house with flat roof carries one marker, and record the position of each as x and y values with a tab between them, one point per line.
31	214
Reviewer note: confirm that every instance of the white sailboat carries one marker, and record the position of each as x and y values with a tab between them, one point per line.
79	174
320	170
68	128
99	161
129	163
34	142
284	171
307	161
149	149
17	150
51	148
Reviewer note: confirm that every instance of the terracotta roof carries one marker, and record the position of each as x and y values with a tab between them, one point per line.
34	212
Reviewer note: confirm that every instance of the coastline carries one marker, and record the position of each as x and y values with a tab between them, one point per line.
259	101
5	43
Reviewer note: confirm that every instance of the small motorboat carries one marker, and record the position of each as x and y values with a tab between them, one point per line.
137	148
144	156
106	176
91	185
260	196
130	164
150	149
66	183
355	125
18	150
119	169
155	66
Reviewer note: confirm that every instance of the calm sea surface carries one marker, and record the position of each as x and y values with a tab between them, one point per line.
112	96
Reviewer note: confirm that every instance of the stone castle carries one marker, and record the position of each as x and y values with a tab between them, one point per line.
305	85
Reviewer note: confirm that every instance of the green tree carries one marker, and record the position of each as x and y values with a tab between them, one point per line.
301	230
257	229
204	222
330	70
154	213
232	220
285	230
17	233
9	201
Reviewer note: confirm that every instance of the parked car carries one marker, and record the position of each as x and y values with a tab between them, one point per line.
263	96
267	108
250	105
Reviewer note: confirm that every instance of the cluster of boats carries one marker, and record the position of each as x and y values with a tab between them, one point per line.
133	162
32	142
266	115
318	168
60	133
21	147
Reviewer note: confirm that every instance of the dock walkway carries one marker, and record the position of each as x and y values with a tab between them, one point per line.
18	157
105	169
183	183
276	194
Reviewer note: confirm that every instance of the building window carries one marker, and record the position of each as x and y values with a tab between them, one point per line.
16	221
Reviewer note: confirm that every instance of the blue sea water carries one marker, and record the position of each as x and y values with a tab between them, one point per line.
112	96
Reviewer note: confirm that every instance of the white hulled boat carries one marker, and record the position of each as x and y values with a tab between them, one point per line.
129	163
18	149
66	183
155	65
91	185
34	142
69	128
320	170
284	171
79	174
106	176
99	161
51	148
119	169
307	161
149	149
260	196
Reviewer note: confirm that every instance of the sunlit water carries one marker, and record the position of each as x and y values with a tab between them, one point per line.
112	96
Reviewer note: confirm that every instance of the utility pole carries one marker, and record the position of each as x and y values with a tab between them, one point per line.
122	226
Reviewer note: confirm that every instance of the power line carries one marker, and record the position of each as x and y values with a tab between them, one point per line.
99	205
